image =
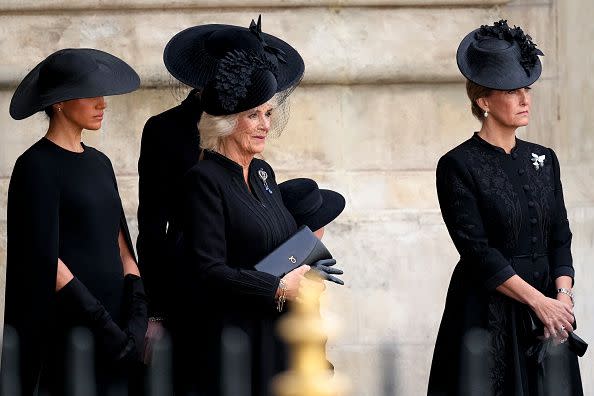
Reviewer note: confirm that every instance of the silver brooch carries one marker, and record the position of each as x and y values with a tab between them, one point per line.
263	175
537	161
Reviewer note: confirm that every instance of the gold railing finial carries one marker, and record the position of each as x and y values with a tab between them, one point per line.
303	331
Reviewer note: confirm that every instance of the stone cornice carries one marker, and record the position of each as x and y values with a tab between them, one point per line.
352	45
85	5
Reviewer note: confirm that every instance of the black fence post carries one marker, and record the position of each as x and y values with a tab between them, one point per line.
235	349
11	385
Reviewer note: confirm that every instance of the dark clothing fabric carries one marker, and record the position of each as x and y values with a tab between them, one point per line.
66	205
228	229
169	148
506	216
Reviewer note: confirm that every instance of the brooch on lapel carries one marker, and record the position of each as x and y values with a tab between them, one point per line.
263	175
537	161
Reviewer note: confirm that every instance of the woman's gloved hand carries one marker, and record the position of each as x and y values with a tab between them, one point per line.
75	301
325	269
135	310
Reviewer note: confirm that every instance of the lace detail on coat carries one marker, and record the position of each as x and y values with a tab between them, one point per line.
497	192
498	329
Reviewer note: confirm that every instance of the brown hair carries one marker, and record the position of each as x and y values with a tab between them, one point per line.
49	111
475	92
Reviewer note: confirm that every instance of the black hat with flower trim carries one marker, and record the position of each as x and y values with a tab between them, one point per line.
244	80
193	55
499	57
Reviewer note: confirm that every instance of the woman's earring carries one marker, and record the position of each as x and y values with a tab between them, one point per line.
486	113
60	109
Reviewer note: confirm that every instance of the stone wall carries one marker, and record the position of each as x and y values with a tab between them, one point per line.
381	100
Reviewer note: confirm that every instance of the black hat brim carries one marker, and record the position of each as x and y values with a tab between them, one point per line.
506	75
333	205
187	59
113	77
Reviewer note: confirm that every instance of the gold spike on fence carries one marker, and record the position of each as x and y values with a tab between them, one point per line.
303	330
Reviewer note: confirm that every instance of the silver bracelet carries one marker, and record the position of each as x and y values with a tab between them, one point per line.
568	292
282	298
156	319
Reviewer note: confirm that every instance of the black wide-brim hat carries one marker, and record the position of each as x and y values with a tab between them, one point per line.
499	57
192	56
309	205
72	73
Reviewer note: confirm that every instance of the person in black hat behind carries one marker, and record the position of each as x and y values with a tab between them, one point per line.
310	205
171	145
70	260
502	202
315	208
234	216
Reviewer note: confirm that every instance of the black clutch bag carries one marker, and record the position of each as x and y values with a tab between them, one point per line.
302	248
575	343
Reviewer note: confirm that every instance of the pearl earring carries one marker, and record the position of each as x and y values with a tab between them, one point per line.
60	109
486	114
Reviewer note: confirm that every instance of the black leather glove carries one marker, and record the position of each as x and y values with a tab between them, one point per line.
74	300
325	269
135	309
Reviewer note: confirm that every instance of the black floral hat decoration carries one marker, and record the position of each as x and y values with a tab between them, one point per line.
193	55
72	73
499	57
244	80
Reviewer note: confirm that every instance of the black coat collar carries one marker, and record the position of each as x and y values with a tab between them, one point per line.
483	143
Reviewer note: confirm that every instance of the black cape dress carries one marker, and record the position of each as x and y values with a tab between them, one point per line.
506	216
228	230
61	204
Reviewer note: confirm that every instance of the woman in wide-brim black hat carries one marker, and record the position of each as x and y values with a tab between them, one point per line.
232	218
170	146
502	202
70	261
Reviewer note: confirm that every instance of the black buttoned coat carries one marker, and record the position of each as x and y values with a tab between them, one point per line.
506	215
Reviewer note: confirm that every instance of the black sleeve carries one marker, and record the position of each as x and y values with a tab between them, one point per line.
560	242
32	258
204	231
152	216
460	211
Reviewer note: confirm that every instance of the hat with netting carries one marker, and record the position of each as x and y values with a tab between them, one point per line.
499	57
193	55
246	82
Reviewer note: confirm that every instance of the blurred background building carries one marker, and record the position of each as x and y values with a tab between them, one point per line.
381	101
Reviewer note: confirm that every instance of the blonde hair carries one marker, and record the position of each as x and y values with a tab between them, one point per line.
213	129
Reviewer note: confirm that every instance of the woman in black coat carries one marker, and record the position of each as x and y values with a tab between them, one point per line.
502	202
234	217
70	259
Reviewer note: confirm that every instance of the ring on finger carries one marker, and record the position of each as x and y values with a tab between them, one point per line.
563	340
562	328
